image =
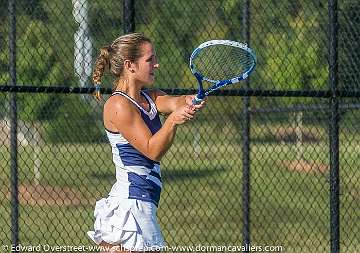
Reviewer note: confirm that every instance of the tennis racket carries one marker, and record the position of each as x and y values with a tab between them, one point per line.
220	63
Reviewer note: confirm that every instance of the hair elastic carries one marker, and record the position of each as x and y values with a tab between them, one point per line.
97	92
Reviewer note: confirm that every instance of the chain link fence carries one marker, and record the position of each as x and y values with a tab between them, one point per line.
258	165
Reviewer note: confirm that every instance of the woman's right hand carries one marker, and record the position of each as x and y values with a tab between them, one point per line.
183	114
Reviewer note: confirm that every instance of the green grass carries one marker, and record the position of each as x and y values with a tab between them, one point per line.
202	198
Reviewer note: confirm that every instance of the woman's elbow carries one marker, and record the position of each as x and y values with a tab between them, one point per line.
155	155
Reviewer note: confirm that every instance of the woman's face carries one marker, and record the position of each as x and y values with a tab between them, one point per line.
146	65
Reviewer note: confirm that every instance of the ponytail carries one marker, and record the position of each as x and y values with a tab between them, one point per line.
100	65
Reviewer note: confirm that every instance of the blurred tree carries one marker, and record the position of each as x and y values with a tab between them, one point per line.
293	63
293	57
349	45
37	65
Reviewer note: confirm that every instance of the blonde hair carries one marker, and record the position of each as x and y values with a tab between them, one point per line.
125	47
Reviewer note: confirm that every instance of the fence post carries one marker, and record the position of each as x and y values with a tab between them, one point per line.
129	16
334	130
246	139
13	127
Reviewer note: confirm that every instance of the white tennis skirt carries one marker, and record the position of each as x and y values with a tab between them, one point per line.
129	223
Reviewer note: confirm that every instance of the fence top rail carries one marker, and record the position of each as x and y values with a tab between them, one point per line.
179	91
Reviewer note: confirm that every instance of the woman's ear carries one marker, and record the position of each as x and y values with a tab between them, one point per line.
128	65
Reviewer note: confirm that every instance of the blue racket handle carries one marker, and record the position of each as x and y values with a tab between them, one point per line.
196	100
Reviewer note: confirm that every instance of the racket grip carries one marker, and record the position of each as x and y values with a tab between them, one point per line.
196	100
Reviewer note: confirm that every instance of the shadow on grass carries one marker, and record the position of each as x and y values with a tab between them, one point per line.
190	173
172	175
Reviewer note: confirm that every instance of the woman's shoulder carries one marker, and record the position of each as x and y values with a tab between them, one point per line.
118	103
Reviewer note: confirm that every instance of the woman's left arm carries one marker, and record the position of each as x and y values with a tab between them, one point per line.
167	104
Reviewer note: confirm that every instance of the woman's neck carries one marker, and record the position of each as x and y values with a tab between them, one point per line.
129	88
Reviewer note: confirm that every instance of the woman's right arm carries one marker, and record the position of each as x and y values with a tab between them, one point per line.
127	120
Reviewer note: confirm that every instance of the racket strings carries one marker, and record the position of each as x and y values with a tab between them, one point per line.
223	62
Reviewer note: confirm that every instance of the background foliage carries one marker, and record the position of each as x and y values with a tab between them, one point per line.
63	147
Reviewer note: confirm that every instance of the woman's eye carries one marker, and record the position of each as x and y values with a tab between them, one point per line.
150	59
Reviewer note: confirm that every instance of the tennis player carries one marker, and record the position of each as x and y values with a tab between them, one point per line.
126	220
